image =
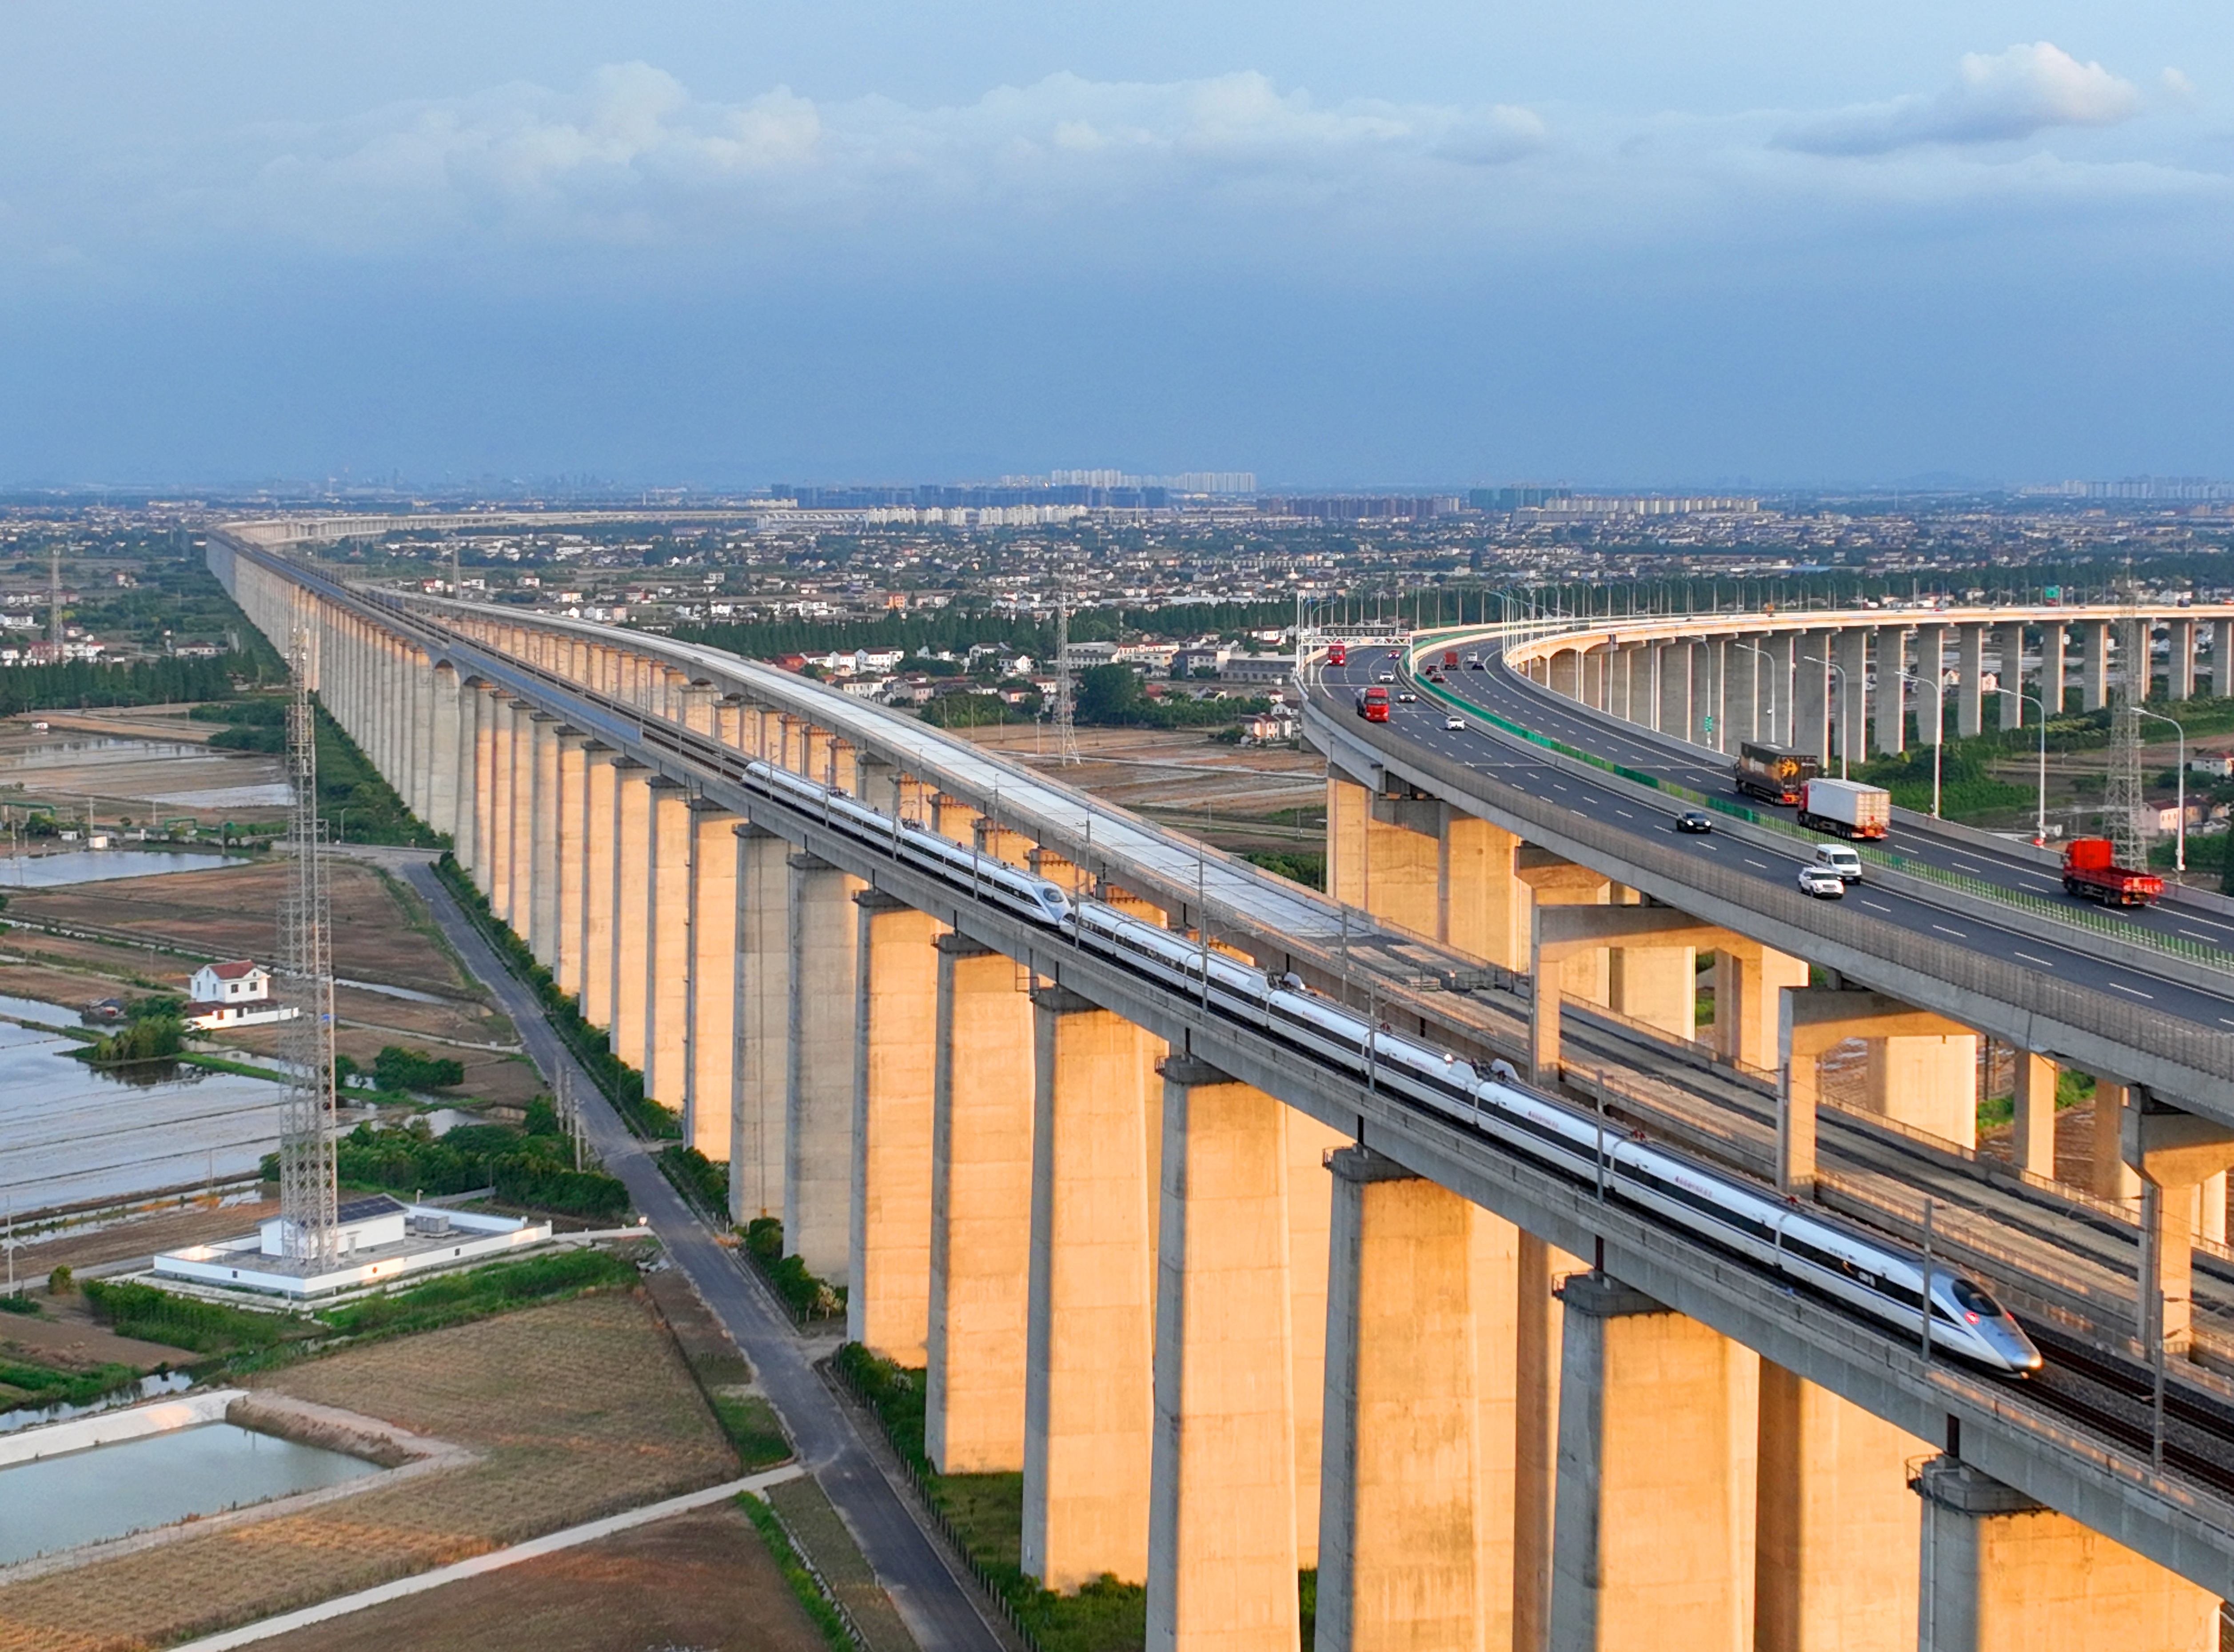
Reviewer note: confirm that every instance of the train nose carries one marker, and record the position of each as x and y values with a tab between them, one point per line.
2014	1348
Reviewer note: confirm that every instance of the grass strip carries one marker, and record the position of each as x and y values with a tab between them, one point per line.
820	1609
981	1516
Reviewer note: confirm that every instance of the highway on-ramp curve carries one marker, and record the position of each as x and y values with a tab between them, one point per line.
1499	689
1506	759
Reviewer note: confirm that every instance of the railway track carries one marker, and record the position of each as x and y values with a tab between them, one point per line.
2117	1397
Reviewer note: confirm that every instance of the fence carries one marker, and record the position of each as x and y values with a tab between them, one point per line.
928	1503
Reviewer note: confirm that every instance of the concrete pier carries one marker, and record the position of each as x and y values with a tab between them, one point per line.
1089	1360
666	949
981	1223
1652	1540
574	859
759	1091
895	1079
632	911
600	801
1222	1543
711	1013
1415	1516
817	1178
2000	1571
1836	1524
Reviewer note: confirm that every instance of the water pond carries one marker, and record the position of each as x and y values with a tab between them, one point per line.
98	866
111	1490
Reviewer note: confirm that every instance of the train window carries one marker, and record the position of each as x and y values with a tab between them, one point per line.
1974	1300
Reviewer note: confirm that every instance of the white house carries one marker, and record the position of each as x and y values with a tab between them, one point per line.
237	993
239	981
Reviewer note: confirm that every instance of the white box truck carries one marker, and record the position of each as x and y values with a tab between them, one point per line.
1847	807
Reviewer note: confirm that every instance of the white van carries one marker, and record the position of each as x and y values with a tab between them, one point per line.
1841	858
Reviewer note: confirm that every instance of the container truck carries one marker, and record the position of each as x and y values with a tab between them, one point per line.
1338	653
1773	772
2091	871
1847	807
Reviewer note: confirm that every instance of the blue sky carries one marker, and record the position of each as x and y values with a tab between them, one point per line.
1411	242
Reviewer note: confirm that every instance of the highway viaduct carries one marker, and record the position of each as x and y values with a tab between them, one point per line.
1229	1312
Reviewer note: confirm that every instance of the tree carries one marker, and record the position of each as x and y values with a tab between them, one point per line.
1109	693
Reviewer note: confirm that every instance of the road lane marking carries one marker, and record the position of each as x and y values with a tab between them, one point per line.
2136	991
1763	864
2029	958
1626	815
2191	936
1959	936
1874	907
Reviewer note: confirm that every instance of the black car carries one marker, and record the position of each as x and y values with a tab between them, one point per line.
1694	820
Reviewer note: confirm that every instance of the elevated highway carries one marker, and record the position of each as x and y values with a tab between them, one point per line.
956	1108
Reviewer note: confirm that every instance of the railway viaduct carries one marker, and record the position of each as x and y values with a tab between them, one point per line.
1228	1314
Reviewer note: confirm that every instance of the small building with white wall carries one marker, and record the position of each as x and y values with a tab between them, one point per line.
378	1238
235	993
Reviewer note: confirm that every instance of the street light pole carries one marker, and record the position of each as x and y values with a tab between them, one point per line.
2039	815
1764	654
1938	734
1846	735
2179	825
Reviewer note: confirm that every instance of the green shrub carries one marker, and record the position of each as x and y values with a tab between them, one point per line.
181	1322
483	1290
42	1386
806	1297
397	1069
61	1281
153	1039
532	1169
1307	868
622	1084
17	1304
704	1181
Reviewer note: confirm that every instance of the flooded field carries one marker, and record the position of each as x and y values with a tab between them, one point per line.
70	1134
177	774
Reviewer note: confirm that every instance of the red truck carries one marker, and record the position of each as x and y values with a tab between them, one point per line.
1373	704
2091	869
1450	659
1338	653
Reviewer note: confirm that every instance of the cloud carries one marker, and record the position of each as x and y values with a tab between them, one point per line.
1995	99
634	155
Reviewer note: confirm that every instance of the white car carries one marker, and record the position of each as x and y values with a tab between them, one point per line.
1822	883
1841	858
1454	721
1386	676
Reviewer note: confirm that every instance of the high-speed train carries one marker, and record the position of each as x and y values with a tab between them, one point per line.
1884	1282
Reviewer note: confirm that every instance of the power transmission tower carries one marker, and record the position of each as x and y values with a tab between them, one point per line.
2122	798
1066	728
55	599
307	1201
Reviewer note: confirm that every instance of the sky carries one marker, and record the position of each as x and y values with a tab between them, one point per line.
1420	243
